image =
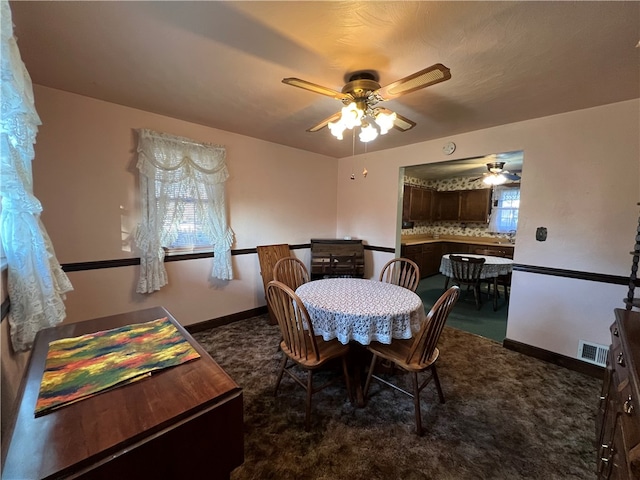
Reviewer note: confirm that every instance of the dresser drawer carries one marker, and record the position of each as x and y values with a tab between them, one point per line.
629	407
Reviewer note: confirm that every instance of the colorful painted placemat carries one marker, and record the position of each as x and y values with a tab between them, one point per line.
80	367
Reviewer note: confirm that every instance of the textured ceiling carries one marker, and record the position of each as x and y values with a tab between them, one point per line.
221	63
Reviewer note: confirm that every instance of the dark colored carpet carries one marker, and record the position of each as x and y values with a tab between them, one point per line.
506	416
465	315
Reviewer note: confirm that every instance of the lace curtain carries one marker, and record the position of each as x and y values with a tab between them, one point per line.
504	215
36	282
172	171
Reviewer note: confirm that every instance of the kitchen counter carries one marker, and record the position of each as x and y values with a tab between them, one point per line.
419	239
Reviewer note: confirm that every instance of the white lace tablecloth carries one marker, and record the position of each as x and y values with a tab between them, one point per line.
361	310
493	266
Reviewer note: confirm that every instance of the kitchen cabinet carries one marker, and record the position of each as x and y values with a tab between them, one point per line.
431	256
474	205
463	205
417	203
426	255
447	205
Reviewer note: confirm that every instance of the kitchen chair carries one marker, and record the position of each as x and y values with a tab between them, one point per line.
504	280
402	272
291	272
466	271
299	344
418	354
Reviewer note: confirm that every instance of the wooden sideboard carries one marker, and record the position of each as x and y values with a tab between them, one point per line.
618	424
182	422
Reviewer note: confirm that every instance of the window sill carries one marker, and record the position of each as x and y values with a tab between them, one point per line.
169	252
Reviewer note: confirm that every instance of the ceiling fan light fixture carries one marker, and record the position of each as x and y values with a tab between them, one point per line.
351	116
385	121
337	128
367	132
494	179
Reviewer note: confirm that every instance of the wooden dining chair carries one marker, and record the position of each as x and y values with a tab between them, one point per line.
466	271
502	280
299	344
402	272
416	355
290	271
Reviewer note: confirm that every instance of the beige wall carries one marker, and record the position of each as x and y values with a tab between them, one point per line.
84	174
581	180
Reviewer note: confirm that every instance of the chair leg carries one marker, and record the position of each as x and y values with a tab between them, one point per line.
347	380
446	282
280	373
436	380
307	418
368	382
416	403
495	296
476	294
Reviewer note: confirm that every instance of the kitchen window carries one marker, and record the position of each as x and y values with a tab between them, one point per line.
504	214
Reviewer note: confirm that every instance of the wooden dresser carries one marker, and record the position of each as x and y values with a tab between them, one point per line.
182	422
618	425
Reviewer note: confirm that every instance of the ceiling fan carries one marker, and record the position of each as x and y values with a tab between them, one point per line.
496	174
361	95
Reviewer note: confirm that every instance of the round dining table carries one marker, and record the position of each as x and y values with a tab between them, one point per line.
361	310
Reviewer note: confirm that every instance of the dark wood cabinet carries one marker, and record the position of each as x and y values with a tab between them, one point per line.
463	205
426	255
431	256
406	203
474	205
447	205
618	420
417	203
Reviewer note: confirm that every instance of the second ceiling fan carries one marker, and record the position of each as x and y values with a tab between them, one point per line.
361	96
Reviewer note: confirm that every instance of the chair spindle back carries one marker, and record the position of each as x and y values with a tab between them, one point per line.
426	340
466	270
291	272
293	320
402	272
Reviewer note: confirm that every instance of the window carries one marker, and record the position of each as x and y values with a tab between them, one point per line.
504	215
186	211
182	187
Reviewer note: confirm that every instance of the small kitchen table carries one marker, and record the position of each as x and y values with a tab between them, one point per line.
493	267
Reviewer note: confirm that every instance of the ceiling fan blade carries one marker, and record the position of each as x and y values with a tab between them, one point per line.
511	176
400	123
333	118
312	87
429	76
403	123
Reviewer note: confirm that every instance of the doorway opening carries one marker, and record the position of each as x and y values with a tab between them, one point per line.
460	207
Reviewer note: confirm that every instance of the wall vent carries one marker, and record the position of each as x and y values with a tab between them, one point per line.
593	353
